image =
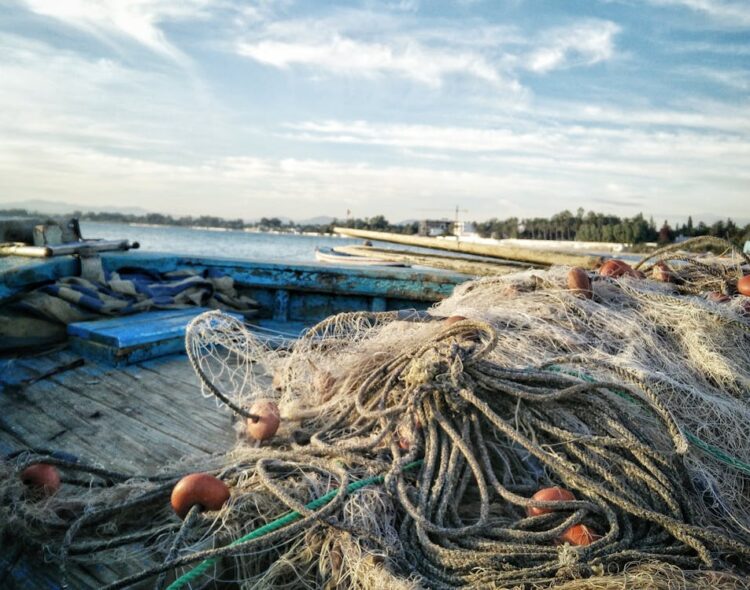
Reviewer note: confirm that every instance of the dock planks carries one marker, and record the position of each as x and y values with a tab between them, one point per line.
132	419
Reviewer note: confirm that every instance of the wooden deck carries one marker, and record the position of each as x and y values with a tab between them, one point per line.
129	419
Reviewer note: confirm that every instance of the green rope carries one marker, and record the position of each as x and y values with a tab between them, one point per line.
274	525
714	451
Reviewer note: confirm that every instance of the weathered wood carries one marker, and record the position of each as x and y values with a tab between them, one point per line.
134	338
65	249
133	420
392	283
543	257
469	267
148	419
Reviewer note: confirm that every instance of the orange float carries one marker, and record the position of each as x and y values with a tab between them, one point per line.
198	489
42	477
265	422
580	283
556	494
579	535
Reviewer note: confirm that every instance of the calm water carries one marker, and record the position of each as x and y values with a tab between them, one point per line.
231	244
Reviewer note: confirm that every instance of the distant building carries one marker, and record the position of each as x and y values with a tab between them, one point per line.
466	228
434	228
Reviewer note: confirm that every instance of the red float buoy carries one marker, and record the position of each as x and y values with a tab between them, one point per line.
579	283
201	489
579	535
718	297
617	268
555	494
662	272
454	319
42	477
265	422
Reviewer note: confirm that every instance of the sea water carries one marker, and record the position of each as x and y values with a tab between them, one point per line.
246	245
208	242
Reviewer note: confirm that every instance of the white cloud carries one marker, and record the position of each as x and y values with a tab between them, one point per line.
730	13
558	144
360	44
248	186
137	20
731	78
705	115
50	94
622	168
582	44
341	55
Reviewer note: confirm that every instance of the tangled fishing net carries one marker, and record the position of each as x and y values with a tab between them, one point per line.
411	445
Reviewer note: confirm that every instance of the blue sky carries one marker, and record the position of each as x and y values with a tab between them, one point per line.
401	107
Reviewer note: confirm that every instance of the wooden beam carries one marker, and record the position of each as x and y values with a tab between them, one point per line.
542	257
453	263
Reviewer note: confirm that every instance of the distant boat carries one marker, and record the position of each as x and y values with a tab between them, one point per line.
335	257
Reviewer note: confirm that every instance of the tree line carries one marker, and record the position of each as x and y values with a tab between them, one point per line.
583	226
600	227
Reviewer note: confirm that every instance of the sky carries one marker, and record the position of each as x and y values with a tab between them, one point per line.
406	108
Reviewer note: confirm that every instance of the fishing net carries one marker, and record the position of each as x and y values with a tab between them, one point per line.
411	445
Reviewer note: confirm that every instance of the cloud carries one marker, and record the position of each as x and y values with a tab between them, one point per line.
249	186
246	186
733	14
137	20
342	55
625	166
363	44
65	97
582	44
730	78
563	142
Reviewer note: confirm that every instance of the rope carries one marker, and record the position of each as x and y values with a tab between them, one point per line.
714	451
280	522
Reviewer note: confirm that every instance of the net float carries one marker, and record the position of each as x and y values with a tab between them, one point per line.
42	477
406	433
454	319
198	489
717	297
579	535
743	285
555	494
662	272
264	420
617	268
579	283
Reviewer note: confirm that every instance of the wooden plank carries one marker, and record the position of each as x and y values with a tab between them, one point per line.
99	329
161	423
454	263
133	417
119	357
406	283
149	335
143	420
544	257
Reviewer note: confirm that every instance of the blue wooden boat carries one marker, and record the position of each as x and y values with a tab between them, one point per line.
119	390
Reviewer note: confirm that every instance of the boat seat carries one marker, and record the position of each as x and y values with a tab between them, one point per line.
129	339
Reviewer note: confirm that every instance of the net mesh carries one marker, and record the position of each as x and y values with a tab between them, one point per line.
635	400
